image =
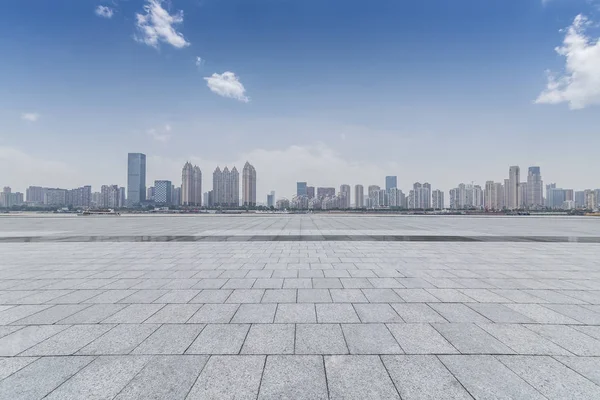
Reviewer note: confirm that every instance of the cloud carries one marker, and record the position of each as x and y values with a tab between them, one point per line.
31	117
199	62
227	85
104	12
161	134
579	84
157	26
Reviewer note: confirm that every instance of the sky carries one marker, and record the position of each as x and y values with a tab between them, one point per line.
325	91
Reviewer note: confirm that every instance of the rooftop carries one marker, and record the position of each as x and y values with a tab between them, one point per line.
299	307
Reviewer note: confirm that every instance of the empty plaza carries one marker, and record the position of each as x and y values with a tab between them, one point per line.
282	306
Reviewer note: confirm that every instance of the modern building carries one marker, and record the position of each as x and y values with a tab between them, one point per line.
80	197
420	196
163	192
301	189
191	185
6	197
109	196
226	187
580	199
323	192
467	196
55	197
359	196
514	178
122	197
396	198
391	182
500	196
271	199
136	179
523	195
310	192
249	185
345	196
35	194
490	196
150	194
437	200
176	195
535	188
282	204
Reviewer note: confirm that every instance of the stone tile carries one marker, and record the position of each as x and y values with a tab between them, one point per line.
144	296
382	283
417	312
320	339
382	296
499	313
51	315
327	283
270	283
246	296
471	339
297	283
169	339
164	377
589	367
93	314
355	283
576	312
593	331
377	313
370	339
133	314
41	377
336	313
212	296
293	377
416	296
551	378
420	339
76	297
348	296
239	283
568	338
214	314
210	284
358	378
484	296
270	339
279	296
173	314
421	377
10	365
69	341
103	378
177	296
541	314
451	296
122	339
8	329
487	378
523	340
457	312
296	313
110	296
220	339
229	377
313	296
21	340
19	312
255	314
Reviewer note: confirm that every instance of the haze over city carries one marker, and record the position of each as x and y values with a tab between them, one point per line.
391	88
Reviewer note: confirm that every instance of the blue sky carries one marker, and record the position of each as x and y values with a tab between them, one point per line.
330	92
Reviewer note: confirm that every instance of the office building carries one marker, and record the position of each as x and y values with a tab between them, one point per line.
591	199
55	197
80	197
301	189
359	196
136	179
6	197
535	188
499	196
150	194
490	196
109	196
35	194
420	196
191	185
249	185
580	199
506	194
226	187
514	178
391	182
437	200
396	198
323	192
345	196
176	195
310	192
163	192
122	197
271	199
523	195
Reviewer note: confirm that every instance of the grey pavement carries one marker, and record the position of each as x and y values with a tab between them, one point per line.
278	319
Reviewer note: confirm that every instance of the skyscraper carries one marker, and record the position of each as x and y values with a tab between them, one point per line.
35	194
420	196
249	185
437	200
489	196
136	178
191	185
535	188
301	189
109	196
325	192
226	187
271	199
345	196
150	193
310	192
359	201
391	182
514	178
163	192
122	197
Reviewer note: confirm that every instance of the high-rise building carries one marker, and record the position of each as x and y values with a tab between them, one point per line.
345	196
420	196
55	197
535	188
136	179
437	200
359	196
591	199
122	197
162	192
249	185
523	195
197	188
35	194
6	197
391	182
489	196
323	192
150	193
310	192
271	199
499	196
109	196
396	198
176	195
580	199
226	187
79	197
191	185
514	178
506	194
301	189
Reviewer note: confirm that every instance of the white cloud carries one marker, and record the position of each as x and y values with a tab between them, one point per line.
157	25
227	85
161	134
31	117
104	12
579	84
199	62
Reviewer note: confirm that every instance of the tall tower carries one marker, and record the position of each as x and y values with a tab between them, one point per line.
249	185
136	178
187	185
217	197
234	188
391	182
197	186
514	178
359	196
345	194
535	188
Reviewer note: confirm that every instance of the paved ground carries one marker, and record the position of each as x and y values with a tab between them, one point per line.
300	320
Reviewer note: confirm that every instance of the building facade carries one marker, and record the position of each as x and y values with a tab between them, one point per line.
535	188
136	179
109	196
359	196
249	185
323	192
514	178
191	185
301	189
163	192
35	194
391	182
346	196
226	187
271	199
437	200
